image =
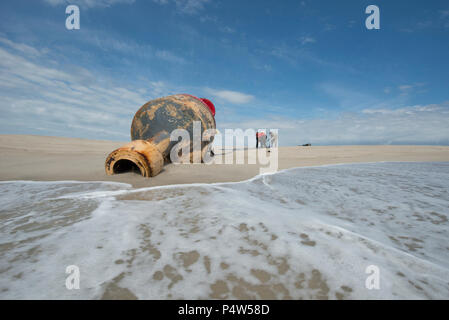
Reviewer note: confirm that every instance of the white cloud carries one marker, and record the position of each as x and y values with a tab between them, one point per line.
439	20
294	56
305	40
227	29
329	27
346	97
207	18
230	96
408	88
26	49
89	3
185	6
113	43
169	56
404	111
405	87
41	96
190	6
262	66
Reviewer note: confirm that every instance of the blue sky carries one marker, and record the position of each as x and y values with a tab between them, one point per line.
309	68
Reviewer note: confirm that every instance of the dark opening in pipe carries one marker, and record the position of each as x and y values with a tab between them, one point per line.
123	166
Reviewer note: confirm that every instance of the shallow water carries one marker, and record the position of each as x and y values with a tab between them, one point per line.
304	233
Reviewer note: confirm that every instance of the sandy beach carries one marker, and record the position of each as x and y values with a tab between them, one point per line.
42	158
305	233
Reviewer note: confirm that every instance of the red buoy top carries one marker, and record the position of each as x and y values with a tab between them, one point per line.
209	104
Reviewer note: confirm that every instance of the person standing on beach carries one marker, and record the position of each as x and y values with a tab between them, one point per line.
257	139
273	139
263	139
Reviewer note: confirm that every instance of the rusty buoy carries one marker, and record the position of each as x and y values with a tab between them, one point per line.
150	133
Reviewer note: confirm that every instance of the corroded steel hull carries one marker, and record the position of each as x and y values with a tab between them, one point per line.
150	131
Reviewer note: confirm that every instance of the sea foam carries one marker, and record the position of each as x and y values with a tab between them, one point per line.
303	233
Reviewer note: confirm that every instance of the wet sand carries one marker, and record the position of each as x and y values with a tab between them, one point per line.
42	158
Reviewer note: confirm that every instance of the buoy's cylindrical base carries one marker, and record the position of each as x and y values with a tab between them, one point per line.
138	154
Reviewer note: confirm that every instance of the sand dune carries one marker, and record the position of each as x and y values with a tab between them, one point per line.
28	157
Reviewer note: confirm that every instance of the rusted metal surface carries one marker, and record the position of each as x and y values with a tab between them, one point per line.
170	113
151	129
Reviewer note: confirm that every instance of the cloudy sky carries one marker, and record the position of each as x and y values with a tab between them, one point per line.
309	68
